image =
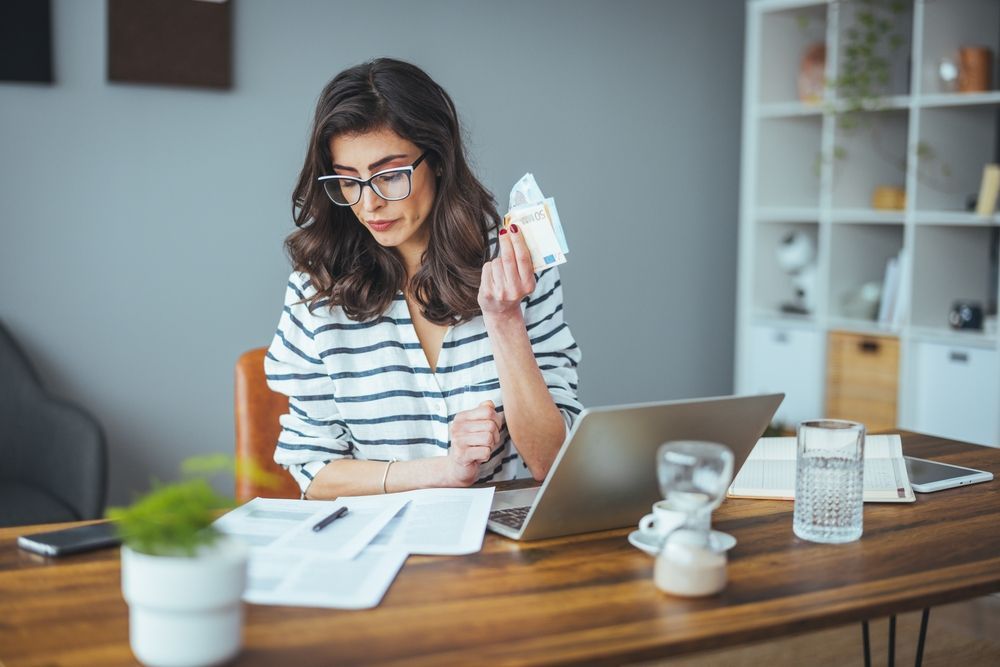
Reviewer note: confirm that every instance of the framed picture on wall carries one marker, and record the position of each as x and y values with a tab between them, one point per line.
26	41
171	42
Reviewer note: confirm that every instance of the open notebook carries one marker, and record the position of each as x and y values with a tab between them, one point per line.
769	471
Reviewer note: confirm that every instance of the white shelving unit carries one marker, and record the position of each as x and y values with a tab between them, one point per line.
927	140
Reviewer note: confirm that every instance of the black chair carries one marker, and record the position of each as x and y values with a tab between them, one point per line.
53	456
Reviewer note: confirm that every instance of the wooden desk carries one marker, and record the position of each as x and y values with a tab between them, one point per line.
584	598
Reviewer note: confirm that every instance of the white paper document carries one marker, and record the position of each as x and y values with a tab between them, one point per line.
277	577
769	471
446	522
265	523
350	563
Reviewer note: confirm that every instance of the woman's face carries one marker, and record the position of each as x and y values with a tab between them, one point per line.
398	224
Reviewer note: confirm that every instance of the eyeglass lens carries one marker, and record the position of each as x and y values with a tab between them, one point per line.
392	185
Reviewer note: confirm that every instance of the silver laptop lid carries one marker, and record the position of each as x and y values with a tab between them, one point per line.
605	474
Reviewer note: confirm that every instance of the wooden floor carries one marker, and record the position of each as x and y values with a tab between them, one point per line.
966	633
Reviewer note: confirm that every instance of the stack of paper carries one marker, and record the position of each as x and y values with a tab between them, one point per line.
769	471
350	563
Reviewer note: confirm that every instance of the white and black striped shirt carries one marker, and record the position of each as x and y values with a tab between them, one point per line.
364	390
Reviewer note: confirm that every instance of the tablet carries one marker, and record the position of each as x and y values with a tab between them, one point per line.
927	476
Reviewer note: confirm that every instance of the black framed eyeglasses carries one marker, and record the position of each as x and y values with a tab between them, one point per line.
390	184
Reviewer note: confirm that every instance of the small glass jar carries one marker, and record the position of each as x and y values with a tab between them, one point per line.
687	565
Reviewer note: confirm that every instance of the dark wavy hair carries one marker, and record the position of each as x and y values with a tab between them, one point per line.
346	264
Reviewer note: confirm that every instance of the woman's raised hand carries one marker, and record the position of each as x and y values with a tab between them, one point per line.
508	278
474	434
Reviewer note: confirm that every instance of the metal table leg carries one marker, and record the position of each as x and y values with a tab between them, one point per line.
921	640
864	639
892	641
923	634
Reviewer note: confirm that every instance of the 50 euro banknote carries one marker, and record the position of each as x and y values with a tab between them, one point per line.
537	218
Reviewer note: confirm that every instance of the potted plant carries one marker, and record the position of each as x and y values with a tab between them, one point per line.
873	37
182	578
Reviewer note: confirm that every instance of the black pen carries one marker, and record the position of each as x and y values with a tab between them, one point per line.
330	519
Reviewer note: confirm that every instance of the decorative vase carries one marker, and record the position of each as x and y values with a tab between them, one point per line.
186	610
812	74
974	69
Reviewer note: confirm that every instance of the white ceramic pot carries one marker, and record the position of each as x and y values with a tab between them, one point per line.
186	611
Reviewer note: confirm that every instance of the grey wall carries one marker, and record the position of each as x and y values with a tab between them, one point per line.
141	226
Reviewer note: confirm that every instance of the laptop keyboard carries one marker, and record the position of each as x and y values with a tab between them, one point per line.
512	517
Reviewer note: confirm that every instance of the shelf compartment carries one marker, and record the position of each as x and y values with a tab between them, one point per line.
788	360
858	255
784	320
776	5
949	336
787	162
869	155
772	286
951	264
866	215
959	100
787	214
788	110
785	36
961	218
898	58
862	374
957	392
955	144
950	25
859	326
874	105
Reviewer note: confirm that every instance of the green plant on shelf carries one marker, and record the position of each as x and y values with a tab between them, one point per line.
873	36
928	174
871	40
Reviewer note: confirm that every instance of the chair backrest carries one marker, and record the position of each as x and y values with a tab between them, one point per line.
47	446
257	429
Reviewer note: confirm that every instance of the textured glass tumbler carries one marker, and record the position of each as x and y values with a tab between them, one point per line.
829	481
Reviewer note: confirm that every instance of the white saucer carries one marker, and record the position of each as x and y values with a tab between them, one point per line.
646	542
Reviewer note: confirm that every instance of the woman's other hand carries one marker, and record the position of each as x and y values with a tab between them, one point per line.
474	434
508	278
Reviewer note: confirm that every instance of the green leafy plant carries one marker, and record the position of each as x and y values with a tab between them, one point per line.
870	42
872	37
939	178
176	519
775	429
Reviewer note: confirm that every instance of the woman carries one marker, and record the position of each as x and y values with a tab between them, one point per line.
414	352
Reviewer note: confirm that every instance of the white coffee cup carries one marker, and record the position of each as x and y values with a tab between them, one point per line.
663	520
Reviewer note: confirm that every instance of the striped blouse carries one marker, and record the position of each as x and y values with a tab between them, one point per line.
364	390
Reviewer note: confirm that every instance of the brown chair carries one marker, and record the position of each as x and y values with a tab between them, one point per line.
257	429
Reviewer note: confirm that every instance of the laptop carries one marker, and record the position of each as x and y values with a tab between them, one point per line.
604	476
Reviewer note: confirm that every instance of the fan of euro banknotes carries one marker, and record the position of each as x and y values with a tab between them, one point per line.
538	220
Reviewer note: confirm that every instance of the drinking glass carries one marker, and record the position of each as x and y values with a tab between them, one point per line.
693	479
829	481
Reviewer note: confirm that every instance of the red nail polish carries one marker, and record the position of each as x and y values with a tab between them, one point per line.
502	232
513	228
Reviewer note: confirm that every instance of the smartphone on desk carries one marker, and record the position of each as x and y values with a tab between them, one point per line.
927	476
70	540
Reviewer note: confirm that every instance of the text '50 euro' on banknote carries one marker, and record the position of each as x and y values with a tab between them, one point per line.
537	219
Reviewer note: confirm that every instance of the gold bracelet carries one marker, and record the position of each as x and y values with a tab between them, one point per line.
385	475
